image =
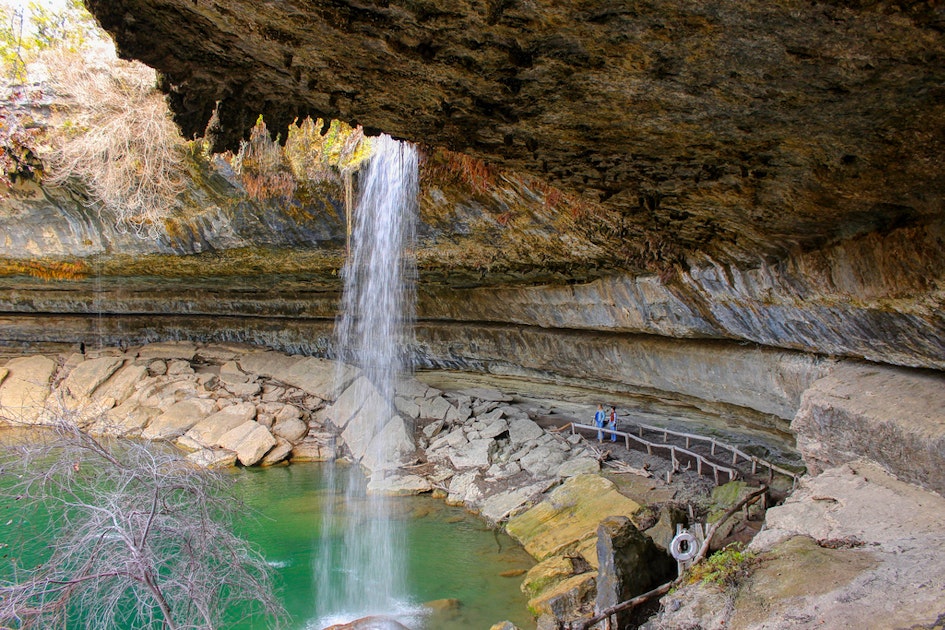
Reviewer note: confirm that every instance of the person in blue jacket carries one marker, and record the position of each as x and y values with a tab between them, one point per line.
599	422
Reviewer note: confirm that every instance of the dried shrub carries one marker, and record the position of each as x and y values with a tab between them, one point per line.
142	538
115	137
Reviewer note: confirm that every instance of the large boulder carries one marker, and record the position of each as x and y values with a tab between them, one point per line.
87	376
464	489
127	419
473	454
853	547
24	391
278	453
267	363
250	441
542	461
398	485
122	383
565	599
550	572
213	458
178	419
292	429
360	394
569	515
499	506
208	431
523	430
230	373
893	416
391	448
319	377
437	408
629	564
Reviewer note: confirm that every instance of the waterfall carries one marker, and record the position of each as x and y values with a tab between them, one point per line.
362	563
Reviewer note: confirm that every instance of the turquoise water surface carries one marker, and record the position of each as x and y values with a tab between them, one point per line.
451	554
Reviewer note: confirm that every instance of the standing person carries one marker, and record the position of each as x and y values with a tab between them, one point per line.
599	422
612	425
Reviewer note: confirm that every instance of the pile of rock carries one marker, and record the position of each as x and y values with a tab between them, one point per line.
229	403
498	456
202	398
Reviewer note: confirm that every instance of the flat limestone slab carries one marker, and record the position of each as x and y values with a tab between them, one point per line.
183	350
213	458
318	377
87	376
499	506
267	363
178	418
24	391
398	485
250	441
121	384
209	430
569	515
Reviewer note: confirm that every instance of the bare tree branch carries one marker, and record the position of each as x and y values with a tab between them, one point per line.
142	538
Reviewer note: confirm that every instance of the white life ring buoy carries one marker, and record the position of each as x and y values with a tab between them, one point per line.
684	547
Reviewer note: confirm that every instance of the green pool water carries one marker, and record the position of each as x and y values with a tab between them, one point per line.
451	554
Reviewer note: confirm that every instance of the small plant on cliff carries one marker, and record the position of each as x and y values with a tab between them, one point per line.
315	157
137	537
262	167
723	568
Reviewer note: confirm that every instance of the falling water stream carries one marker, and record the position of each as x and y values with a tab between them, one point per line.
364	575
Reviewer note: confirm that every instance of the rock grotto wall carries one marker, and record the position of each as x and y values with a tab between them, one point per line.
738	129
754	193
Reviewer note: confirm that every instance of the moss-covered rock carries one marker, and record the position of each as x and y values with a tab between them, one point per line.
566	597
550	572
570	514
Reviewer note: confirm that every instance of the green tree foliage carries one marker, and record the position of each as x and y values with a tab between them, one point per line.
26	32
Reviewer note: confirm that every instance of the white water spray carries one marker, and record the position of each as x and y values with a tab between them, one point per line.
362	560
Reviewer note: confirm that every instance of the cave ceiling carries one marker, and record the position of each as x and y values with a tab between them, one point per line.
736	130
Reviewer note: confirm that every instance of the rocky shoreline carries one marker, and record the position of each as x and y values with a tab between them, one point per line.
228	404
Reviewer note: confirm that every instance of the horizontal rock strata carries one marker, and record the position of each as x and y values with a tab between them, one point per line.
892	416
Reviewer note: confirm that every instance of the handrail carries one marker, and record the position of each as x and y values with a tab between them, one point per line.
736	452
700	460
673	450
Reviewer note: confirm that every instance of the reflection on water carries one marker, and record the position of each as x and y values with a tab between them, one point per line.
453	555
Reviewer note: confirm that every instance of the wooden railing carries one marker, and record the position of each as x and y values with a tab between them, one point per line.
715	445
701	462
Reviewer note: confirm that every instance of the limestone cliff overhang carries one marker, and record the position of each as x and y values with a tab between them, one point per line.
737	129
